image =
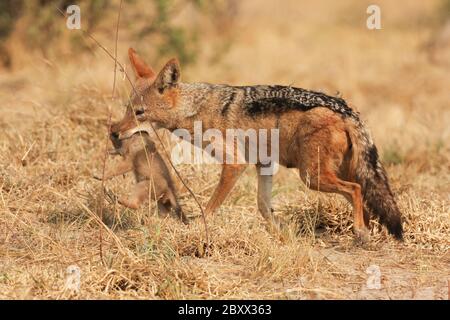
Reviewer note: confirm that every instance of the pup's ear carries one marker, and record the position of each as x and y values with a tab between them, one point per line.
168	76
141	69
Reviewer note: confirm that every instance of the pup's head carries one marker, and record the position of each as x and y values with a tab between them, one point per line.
153	99
135	140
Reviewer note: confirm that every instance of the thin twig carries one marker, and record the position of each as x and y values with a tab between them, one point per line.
102	191
166	153
87	34
105	155
115	49
318	189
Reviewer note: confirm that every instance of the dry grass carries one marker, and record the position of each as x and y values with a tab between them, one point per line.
53	118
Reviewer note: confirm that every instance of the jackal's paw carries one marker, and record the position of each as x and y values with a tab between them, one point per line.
280	229
362	236
276	224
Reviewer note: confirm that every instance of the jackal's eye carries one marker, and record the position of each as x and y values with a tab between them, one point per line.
139	112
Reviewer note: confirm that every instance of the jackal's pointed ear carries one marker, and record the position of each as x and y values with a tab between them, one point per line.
169	76
141	69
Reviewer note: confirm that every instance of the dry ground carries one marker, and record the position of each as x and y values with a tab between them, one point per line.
53	116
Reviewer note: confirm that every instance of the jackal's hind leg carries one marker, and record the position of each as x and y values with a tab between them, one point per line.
329	182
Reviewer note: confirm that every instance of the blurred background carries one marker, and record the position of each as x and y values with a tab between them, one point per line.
197	29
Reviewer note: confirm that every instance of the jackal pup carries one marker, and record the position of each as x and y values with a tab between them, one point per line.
153	179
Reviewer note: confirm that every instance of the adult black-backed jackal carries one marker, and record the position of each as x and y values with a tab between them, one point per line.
307	121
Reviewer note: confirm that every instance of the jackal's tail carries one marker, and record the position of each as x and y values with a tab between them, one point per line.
370	174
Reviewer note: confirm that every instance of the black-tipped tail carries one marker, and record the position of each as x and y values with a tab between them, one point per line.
379	201
377	195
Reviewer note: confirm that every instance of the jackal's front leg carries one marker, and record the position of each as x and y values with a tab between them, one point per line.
121	167
230	174
265	200
264	194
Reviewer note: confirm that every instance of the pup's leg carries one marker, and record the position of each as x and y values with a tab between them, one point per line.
176	207
119	168
139	195
162	208
228	178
